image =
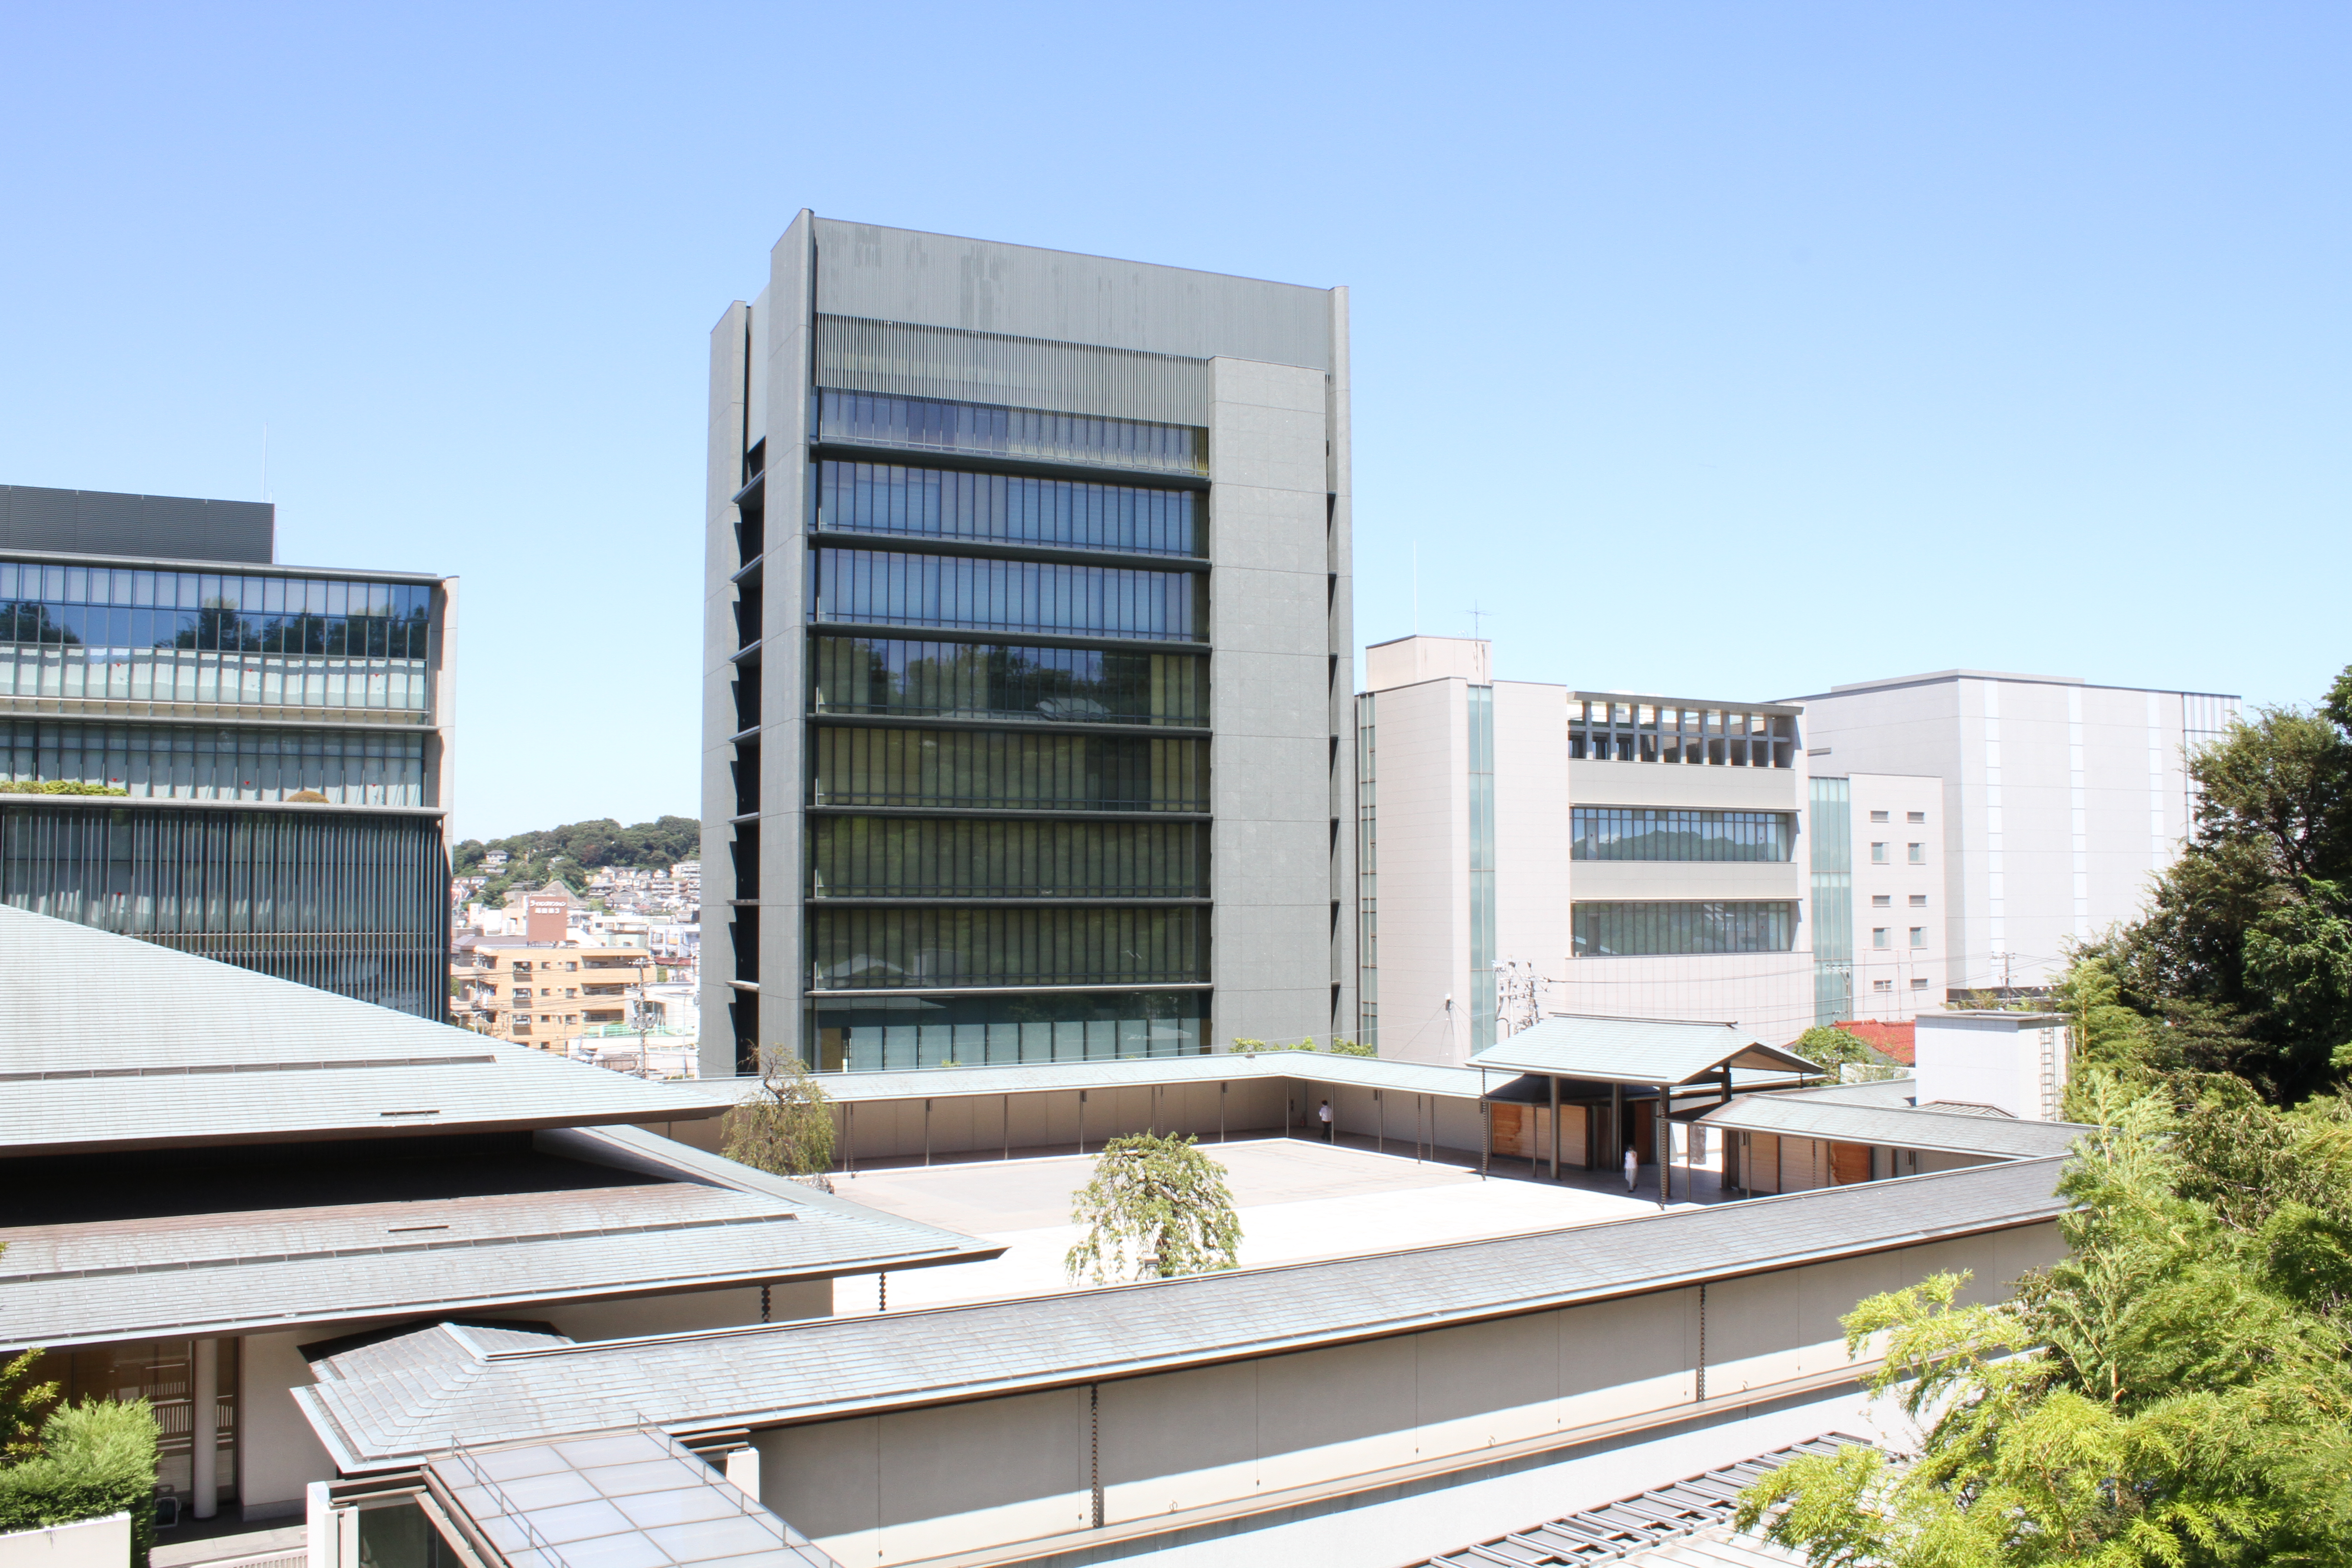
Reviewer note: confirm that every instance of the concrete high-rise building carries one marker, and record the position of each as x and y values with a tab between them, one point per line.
2061	800
1025	659
1877	860
277	740
1525	849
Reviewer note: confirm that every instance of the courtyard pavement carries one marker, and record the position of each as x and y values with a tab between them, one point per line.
1298	1201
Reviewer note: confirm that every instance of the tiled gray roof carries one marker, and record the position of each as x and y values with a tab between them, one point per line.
1897	1127
614	1500
852	1365
706	1222
1642	1051
1883	1091
1685	1521
113	1043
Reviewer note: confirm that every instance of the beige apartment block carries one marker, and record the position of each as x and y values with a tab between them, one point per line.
546	996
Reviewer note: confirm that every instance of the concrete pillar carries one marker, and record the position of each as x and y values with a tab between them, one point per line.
743	1471
1616	1126
1555	1128
203	1427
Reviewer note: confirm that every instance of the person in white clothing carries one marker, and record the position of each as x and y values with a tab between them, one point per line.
1324	1116
1633	1171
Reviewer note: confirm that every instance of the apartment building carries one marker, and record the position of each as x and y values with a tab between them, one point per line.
547	994
1026	620
279	740
2062	800
1525	849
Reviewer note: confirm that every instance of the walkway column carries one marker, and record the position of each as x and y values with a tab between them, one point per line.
1555	1127
203	1427
1612	1145
1662	1139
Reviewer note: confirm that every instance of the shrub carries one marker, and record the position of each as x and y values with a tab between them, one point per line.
56	786
98	1457
1345	1048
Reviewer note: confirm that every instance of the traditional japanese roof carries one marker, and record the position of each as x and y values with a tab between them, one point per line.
1927	1127
357	1233
1640	1051
826	1368
113	1043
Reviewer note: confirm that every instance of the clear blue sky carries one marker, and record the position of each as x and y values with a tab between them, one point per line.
1718	349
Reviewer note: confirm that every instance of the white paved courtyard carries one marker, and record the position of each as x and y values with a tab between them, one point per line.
1297	1200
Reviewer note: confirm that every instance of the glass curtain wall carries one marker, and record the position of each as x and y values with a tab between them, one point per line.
993	770
892	676
354	904
1069	888
877	497
880	588
1646	929
886	949
965	857
100	633
979	429
874	1033
1832	812
1482	867
350	767
1635	833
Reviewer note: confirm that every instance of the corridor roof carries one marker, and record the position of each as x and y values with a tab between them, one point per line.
371	1417
1644	1051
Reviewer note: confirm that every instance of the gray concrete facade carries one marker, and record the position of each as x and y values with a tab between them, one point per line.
108	522
895	314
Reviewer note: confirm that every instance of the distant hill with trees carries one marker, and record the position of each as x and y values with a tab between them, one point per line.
570	852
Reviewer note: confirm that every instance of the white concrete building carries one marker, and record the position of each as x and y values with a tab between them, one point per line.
1877	856
2061	800
1528	848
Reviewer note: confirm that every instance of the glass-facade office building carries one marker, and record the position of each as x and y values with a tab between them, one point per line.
1026	607
278	739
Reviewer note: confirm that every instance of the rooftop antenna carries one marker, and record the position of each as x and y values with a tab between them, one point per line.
1476	614
1416	587
265	460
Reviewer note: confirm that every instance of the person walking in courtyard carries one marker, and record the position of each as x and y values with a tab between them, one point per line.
1324	1115
1633	1171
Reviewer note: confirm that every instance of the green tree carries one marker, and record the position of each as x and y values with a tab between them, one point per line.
1157	1207
1835	1048
784	1126
1345	1048
22	1403
95	1459
2178	1391
2244	963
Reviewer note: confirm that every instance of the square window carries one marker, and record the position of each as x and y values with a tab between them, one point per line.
1919	983
1920	817
1918	936
1878	853
1881	936
1919	901
1882	986
1919	854
1878	816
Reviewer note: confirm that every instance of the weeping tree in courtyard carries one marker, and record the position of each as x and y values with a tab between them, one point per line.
786	1126
1156	1209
